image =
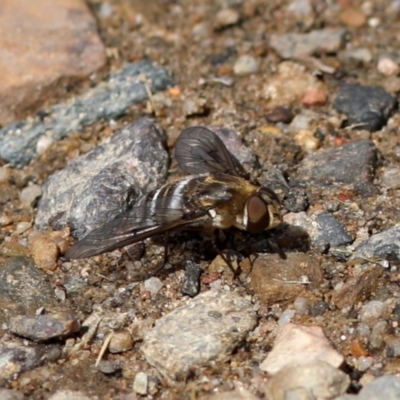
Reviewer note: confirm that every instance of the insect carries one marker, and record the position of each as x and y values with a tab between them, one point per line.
215	195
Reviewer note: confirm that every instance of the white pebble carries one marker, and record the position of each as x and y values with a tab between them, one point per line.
29	194
226	17
286	317
387	66
43	144
245	65
140	383
22	227
153	285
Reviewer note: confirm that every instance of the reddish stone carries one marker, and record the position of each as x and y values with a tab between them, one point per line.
44	45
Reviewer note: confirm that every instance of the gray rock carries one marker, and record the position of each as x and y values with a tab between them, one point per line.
28	290
316	380
366	107
44	327
7	394
207	328
191	280
16	358
140	383
105	182
384	245
296	200
293	45
384	387
108	100
332	166
331	232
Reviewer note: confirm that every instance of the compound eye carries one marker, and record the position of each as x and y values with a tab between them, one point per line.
257	214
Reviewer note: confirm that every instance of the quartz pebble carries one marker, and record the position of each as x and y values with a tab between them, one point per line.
140	383
153	285
245	65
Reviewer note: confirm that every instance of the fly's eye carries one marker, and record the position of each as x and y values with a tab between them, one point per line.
257	214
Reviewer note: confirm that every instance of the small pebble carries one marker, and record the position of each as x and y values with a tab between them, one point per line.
245	65
140	383
280	114
153	285
43	144
364	363
302	305
22	227
300	122
30	194
364	330
106	9
391	178
307	140
120	342
108	367
372	311
387	66
286	317
46	326
314	97
44	251
4	174
362	54
377	335
353	17
226	17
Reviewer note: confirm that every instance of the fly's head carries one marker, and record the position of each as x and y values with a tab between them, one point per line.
262	211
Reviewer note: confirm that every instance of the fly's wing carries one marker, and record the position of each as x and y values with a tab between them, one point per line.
199	150
135	225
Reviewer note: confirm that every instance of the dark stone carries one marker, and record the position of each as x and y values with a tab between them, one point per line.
191	280
318	308
280	114
44	327
367	107
353	163
106	101
16	358
28	290
296	200
105	182
331	232
385	245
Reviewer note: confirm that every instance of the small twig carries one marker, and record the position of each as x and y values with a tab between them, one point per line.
104	348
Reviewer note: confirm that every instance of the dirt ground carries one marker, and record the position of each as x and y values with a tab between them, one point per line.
200	47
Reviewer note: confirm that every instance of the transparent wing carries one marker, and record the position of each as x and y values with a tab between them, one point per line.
135	225
199	150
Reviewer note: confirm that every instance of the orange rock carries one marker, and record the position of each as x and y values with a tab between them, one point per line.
41	45
358	350
353	17
314	97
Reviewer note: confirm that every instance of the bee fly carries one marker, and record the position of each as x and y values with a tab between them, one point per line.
215	195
